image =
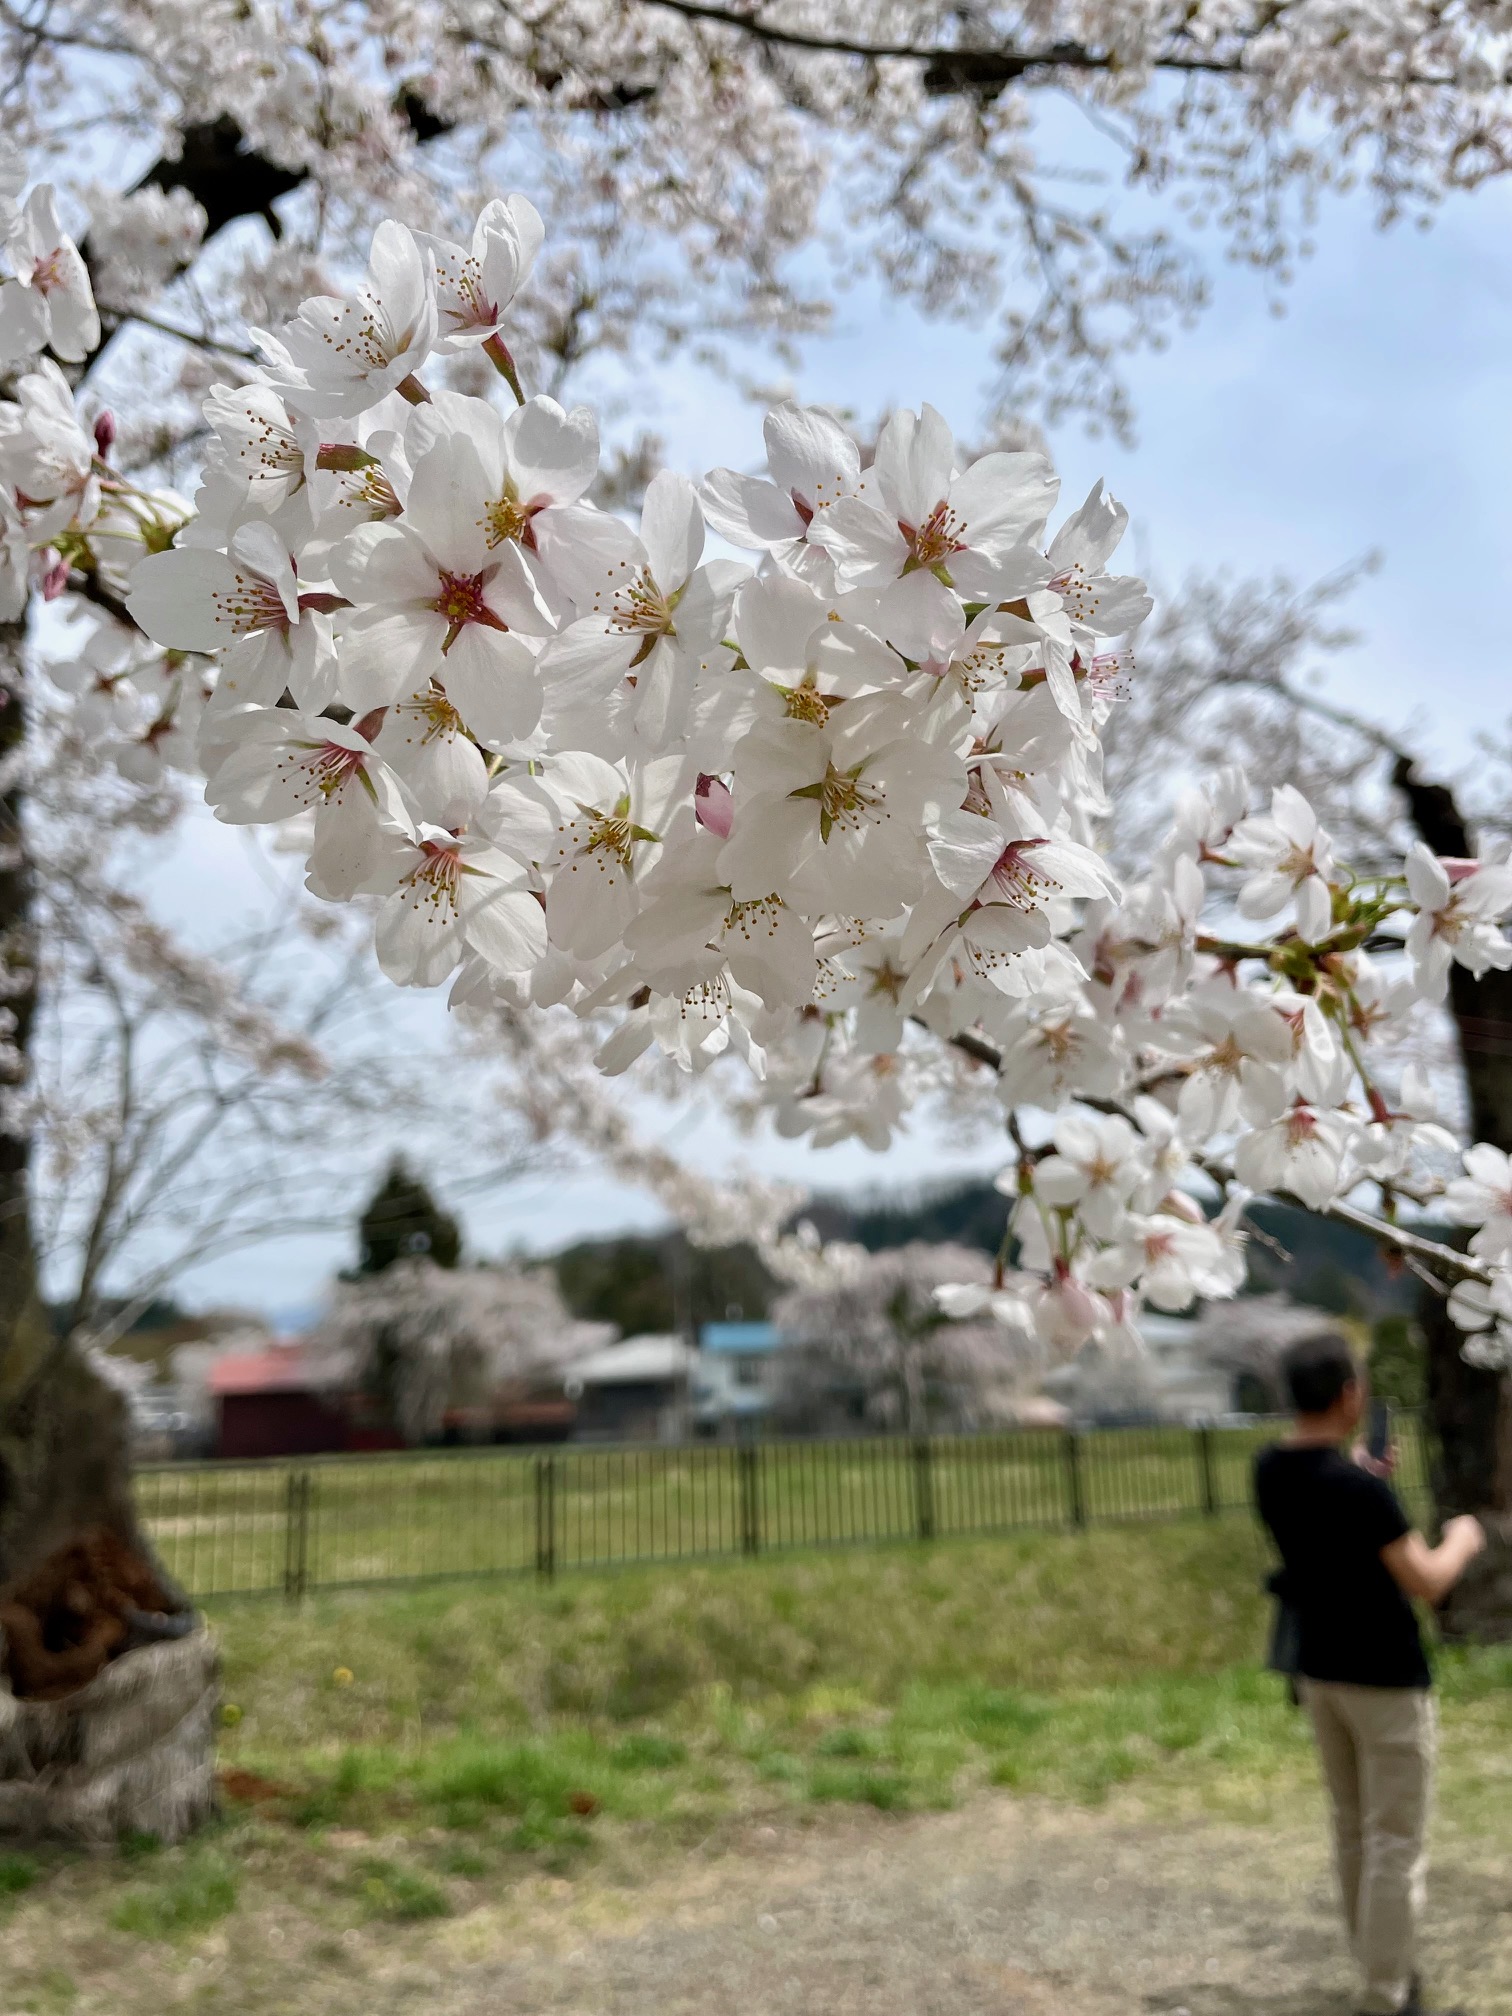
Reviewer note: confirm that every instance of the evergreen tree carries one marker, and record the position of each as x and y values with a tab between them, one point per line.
402	1219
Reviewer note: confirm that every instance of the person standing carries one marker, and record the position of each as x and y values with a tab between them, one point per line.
1351	1566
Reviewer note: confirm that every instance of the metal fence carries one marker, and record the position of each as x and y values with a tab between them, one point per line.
341	1522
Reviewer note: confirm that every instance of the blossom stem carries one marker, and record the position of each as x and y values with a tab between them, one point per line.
496	350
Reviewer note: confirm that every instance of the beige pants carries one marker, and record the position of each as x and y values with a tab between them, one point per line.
1377	1745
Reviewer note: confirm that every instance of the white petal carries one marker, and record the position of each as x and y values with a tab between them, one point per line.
1314	909
180	598
554	455
747	511
672	529
507	926
1427	878
810	454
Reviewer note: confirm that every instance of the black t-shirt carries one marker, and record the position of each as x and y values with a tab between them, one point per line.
1330	1520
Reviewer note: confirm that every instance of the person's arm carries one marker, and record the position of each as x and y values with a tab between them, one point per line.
1431	1572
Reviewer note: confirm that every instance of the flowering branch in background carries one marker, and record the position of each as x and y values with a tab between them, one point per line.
836	813
690	154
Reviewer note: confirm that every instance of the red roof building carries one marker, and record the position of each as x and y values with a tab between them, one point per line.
269	1403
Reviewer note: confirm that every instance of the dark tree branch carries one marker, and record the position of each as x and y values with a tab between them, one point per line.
1432	810
230	180
90	588
224	176
981	73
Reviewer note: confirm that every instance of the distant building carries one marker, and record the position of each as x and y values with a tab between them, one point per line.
271	1403
635	1391
735	1380
519	1410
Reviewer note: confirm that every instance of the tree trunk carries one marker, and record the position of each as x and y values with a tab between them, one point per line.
64	1435
1471	1409
133	1749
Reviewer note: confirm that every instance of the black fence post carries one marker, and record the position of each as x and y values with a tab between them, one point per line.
923	1476
1209	1468
296	1534
545	1515
748	1457
1075	1495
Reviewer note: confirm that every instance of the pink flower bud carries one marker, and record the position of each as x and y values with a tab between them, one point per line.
1068	1314
1177	1204
54	577
105	433
714	805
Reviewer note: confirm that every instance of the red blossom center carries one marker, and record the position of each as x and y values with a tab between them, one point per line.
462	600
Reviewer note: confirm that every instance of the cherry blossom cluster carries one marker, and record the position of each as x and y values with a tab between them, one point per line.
833	809
1185	1056
580	762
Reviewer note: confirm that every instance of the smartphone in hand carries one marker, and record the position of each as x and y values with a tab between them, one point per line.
1378	1432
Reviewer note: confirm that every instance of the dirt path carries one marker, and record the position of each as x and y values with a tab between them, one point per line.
1005	1907
1002	1907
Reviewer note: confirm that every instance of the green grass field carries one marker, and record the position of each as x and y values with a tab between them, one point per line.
415	1755
229	1529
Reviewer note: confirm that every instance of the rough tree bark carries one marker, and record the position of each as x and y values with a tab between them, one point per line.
64	1433
133	1749
1471	1409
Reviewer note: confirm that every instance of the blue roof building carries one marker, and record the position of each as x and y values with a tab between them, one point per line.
733	1383
741	1340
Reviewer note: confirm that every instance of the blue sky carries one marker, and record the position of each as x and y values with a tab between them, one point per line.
1372	415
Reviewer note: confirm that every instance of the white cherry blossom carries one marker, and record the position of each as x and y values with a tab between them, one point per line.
46	260
1483	1197
257	439
271	763
1095	1169
917	530
1290	858
47	455
425	741
24	323
342	353
248	602
1171	1260
448	894
835	812
431	597
649	614
1459	906
476	283
1301	1152
1235	1068
837	821
604	836
813	463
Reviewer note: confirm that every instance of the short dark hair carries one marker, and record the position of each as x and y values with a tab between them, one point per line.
1317	1369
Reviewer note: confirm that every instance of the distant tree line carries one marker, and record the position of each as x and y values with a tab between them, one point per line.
659	1282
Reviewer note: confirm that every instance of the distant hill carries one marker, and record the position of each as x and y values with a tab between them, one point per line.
961	1214
658	1282
162	1327
1324	1264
